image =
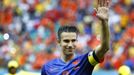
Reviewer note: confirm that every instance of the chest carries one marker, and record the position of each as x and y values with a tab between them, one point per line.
64	68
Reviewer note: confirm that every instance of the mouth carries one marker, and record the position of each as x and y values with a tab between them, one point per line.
69	49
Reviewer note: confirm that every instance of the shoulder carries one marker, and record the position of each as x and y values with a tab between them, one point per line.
48	65
90	57
51	62
82	56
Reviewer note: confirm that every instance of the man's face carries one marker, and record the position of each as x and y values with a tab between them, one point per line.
68	42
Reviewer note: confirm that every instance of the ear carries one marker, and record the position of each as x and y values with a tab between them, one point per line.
58	42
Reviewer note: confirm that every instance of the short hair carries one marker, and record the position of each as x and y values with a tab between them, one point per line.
67	28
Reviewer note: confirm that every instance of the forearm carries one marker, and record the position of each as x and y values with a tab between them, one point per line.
105	37
105	34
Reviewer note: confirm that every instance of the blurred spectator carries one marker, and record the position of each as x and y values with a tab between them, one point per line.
12	67
124	70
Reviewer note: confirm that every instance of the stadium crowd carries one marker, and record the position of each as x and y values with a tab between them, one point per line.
28	30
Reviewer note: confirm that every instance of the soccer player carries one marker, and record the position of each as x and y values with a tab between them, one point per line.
68	64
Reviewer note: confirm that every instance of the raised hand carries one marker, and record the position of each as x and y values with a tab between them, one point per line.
102	9
102	14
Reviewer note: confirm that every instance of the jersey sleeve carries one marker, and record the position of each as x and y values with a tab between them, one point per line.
93	59
43	71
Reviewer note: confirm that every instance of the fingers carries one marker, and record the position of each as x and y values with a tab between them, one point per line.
103	3
99	4
108	3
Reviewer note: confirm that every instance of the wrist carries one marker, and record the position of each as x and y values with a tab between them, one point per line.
103	20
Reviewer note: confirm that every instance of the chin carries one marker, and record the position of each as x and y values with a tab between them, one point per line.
69	53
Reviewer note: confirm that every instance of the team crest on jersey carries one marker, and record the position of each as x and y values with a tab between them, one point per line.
75	62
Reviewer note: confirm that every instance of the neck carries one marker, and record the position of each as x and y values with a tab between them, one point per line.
67	58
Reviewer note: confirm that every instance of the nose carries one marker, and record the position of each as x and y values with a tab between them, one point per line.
70	45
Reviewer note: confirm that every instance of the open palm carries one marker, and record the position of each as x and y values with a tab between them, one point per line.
102	9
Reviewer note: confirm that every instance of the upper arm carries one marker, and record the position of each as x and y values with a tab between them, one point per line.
100	51
93	59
